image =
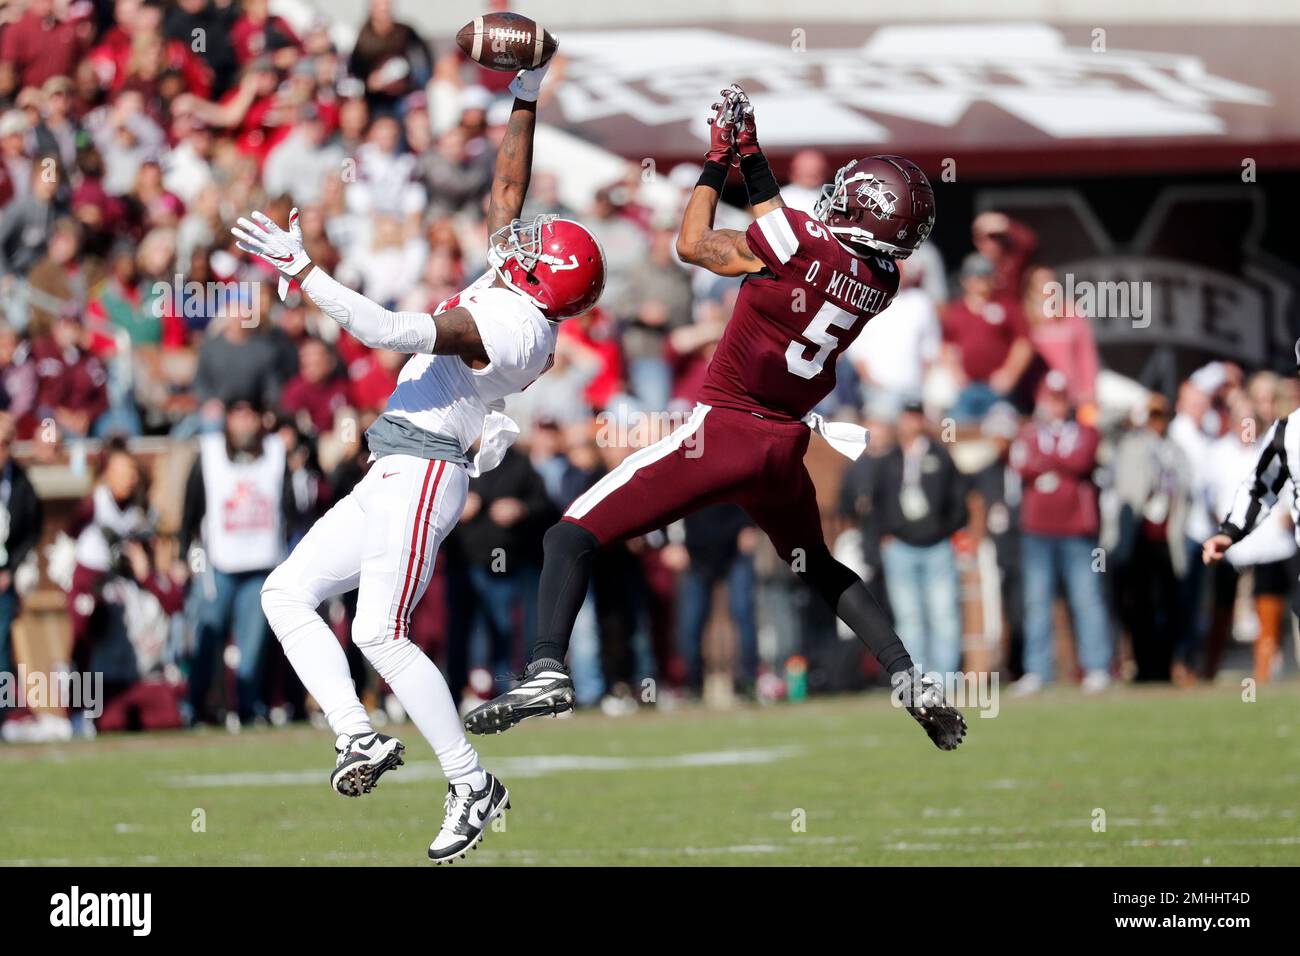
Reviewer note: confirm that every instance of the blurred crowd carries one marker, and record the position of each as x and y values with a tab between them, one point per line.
134	132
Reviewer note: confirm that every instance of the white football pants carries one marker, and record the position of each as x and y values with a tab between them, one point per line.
382	540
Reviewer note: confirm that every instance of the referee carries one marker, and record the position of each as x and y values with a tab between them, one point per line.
1279	457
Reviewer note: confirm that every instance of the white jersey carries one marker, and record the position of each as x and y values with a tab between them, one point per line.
243	527
443	395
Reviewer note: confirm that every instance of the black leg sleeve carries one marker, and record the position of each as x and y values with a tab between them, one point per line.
566	572
849	598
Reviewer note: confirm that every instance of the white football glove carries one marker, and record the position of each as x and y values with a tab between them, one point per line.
527	84
282	249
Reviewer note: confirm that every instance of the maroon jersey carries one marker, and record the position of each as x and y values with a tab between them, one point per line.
793	319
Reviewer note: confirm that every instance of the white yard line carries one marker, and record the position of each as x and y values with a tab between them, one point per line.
508	768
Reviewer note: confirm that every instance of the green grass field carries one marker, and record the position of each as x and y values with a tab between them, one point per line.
1195	778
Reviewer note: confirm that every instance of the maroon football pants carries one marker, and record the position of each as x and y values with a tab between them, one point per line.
718	456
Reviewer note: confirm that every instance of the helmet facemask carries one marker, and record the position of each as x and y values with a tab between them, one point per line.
522	241
835	199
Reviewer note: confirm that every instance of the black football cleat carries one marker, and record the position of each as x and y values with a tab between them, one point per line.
468	815
546	689
944	723
362	760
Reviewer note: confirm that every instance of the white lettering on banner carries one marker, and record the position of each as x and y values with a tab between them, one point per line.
931	73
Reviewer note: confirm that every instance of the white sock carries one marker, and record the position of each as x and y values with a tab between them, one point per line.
318	660
420	686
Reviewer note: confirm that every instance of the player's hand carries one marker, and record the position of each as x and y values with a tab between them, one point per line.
527	84
1215	548
745	133
266	240
721	142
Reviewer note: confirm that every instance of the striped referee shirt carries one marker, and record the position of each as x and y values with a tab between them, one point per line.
1279	457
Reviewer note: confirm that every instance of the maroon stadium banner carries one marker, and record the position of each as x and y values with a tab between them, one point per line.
1003	98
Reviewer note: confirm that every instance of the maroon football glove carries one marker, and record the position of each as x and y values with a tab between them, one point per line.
742	111
720	132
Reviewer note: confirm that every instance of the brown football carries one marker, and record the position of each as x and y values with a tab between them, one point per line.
506	42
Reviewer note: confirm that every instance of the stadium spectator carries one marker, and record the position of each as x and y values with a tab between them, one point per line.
661	291
987	342
1194	428
258	32
299	163
236	364
895	351
119	602
15	156
1144	540
625	246
41	44
456	179
1009	245
317	393
1056	456
499	539
809	171
920	499
59	280
718	548
214	22
21	518
237	503
996	516
72	383
390	57
25	227
1061	336
17	380
854	509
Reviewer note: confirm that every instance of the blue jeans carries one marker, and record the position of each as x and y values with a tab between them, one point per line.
923	591
695	603
226	603
499	594
8	611
1047	559
974	401
652	381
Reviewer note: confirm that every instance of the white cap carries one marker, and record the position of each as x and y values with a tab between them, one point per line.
13	122
1210	378
1056	381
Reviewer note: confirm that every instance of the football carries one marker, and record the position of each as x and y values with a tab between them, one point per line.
506	42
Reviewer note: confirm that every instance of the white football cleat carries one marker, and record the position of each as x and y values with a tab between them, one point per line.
468	814
362	760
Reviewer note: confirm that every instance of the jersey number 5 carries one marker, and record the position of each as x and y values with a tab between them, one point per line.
818	332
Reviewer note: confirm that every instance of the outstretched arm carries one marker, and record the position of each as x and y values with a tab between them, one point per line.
453	332
732	131
514	166
722	251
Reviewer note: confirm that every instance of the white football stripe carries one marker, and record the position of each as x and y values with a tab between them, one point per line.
630	465
478	38
772	233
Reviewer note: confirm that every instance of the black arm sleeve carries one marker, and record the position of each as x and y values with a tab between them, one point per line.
194	508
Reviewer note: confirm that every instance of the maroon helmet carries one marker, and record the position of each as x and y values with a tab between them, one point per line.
881	203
